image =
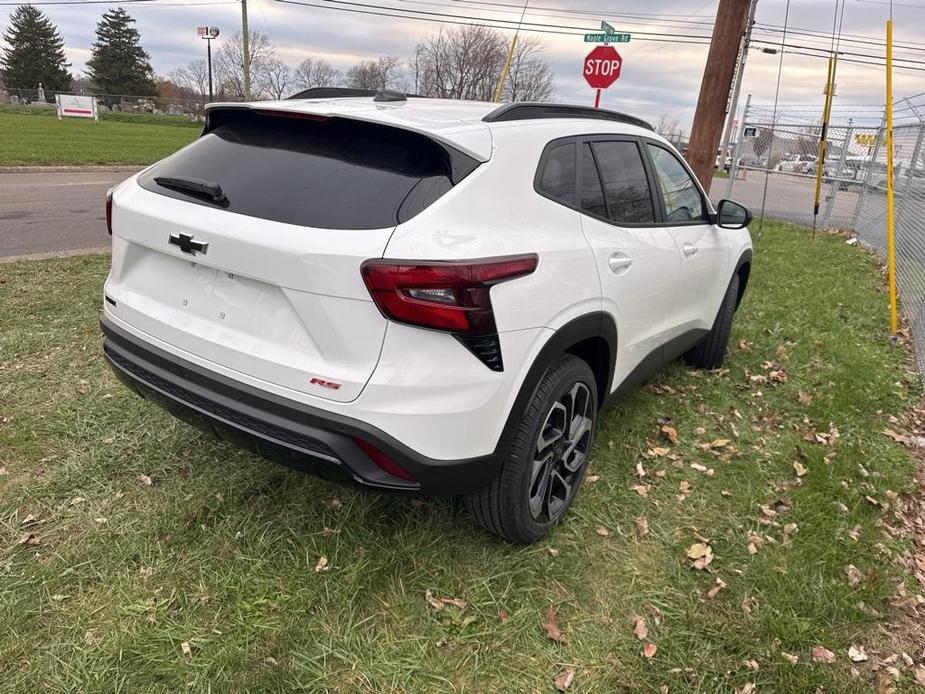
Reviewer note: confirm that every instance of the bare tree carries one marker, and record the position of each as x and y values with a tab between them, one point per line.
314	72
669	127
276	78
460	63
382	73
195	77
530	78
229	64
466	63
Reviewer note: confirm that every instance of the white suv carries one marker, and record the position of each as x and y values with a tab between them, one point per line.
424	296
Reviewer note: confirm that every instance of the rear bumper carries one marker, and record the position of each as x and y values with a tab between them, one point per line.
289	432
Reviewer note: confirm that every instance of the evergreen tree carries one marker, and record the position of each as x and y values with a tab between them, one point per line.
34	53
119	65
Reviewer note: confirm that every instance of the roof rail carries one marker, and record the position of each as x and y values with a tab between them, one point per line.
332	93
350	92
536	111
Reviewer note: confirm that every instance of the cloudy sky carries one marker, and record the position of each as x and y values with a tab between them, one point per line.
659	77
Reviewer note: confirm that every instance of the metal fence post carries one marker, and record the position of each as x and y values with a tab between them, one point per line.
734	166
865	184
835	178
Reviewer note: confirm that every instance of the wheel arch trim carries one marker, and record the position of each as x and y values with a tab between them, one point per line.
597	325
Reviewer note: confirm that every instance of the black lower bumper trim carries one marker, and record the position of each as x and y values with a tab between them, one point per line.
289	432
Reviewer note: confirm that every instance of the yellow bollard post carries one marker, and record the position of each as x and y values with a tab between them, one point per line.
890	221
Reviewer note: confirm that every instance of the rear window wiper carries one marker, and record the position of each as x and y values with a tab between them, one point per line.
195	186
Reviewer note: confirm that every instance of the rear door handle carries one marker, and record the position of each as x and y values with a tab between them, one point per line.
690	250
620	263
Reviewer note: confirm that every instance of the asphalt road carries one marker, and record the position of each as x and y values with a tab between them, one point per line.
59	211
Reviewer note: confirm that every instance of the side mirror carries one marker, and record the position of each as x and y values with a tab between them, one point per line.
732	215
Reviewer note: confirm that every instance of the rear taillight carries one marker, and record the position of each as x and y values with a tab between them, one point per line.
109	211
383	461
452	296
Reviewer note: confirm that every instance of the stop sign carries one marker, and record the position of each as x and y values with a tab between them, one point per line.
602	67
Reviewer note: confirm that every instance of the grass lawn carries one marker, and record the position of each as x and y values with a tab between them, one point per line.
136	554
37	137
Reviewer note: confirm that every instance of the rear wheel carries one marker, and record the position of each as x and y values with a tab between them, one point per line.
547	458
710	352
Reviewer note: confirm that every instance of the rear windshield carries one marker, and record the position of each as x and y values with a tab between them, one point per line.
330	173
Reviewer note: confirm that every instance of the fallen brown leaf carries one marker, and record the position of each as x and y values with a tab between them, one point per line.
649	650
186	649
642	526
440	603
804	398
640	629
551	626
602	531
145	480
641	489
701	555
718	585
30	540
854	575
857	654
565	679
670	433
322	565
821	654
799	469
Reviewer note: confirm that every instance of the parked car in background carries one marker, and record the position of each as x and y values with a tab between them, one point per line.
798	163
422	296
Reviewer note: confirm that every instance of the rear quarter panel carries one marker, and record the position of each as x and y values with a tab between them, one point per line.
494	212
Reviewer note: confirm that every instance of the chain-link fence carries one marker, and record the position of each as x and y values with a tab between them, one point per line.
773	167
45	98
909	228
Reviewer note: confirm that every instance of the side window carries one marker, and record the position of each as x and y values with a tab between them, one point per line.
626	187
557	173
683	202
592	193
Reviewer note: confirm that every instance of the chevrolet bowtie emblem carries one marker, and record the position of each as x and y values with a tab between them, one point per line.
188	244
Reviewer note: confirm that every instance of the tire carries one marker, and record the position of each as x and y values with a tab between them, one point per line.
528	498
710	352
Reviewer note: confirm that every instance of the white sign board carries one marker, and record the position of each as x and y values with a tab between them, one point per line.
75	106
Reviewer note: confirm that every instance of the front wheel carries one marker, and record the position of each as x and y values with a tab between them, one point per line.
710	352
547	458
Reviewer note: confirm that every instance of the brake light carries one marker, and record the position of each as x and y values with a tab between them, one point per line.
451	296
109	211
383	460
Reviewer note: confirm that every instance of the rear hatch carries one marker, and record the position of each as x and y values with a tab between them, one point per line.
244	248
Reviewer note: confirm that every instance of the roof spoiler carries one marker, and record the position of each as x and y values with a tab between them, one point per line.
535	111
389	95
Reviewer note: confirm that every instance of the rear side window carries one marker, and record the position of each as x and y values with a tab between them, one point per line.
626	187
592	192
556	177
330	173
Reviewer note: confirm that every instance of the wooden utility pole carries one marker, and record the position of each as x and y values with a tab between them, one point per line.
246	50
715	88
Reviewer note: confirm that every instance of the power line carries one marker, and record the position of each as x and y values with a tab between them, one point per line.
437	17
855	38
840	53
511	22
